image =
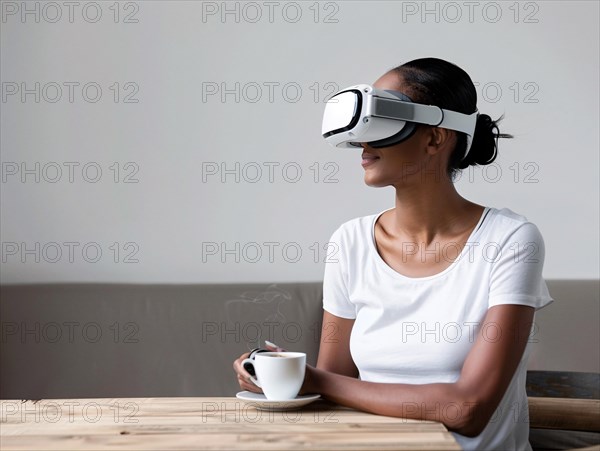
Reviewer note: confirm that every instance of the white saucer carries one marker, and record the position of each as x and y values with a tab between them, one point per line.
261	402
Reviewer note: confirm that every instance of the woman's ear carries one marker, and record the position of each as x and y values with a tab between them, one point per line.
438	139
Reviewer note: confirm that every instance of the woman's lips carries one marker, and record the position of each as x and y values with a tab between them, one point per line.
368	159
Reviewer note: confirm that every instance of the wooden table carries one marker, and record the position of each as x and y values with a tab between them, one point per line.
206	423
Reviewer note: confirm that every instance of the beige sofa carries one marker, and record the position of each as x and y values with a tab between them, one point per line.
111	340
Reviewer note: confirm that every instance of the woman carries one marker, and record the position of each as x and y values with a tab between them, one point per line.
432	301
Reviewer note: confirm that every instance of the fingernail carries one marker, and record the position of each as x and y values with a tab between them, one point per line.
273	345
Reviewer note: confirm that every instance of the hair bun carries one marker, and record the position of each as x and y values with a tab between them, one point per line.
484	148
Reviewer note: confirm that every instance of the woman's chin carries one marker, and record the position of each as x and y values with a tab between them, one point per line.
375	182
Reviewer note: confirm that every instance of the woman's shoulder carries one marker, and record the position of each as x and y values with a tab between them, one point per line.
509	216
355	233
359	223
506	223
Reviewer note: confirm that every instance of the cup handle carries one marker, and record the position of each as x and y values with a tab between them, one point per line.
252	378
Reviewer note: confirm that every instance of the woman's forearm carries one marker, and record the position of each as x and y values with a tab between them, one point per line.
443	402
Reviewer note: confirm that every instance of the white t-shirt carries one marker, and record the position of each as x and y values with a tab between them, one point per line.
420	330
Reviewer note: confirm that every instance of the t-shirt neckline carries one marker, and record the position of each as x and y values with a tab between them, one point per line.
476	231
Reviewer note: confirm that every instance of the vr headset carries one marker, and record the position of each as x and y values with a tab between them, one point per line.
381	118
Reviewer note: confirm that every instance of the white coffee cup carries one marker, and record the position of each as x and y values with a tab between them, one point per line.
279	374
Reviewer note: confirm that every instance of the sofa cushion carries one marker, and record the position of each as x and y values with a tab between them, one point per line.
113	340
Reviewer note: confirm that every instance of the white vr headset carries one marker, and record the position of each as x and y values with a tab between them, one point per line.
381	118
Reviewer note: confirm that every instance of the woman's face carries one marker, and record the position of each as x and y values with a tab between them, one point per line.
409	162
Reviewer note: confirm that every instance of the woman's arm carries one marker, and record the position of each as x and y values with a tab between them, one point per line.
334	349
464	406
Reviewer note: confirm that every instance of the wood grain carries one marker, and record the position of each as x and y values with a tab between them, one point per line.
207	423
568	414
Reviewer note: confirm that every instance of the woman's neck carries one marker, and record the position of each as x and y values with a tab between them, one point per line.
426	212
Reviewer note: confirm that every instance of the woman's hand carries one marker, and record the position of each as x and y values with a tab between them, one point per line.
243	376
308	386
246	383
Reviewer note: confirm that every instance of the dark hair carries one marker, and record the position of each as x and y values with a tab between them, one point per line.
433	81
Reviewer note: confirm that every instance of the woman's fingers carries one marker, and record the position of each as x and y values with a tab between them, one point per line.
243	376
248	385
273	346
239	368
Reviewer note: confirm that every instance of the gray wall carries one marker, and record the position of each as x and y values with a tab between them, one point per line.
165	132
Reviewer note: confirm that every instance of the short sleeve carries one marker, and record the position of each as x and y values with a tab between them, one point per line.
335	292
516	275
